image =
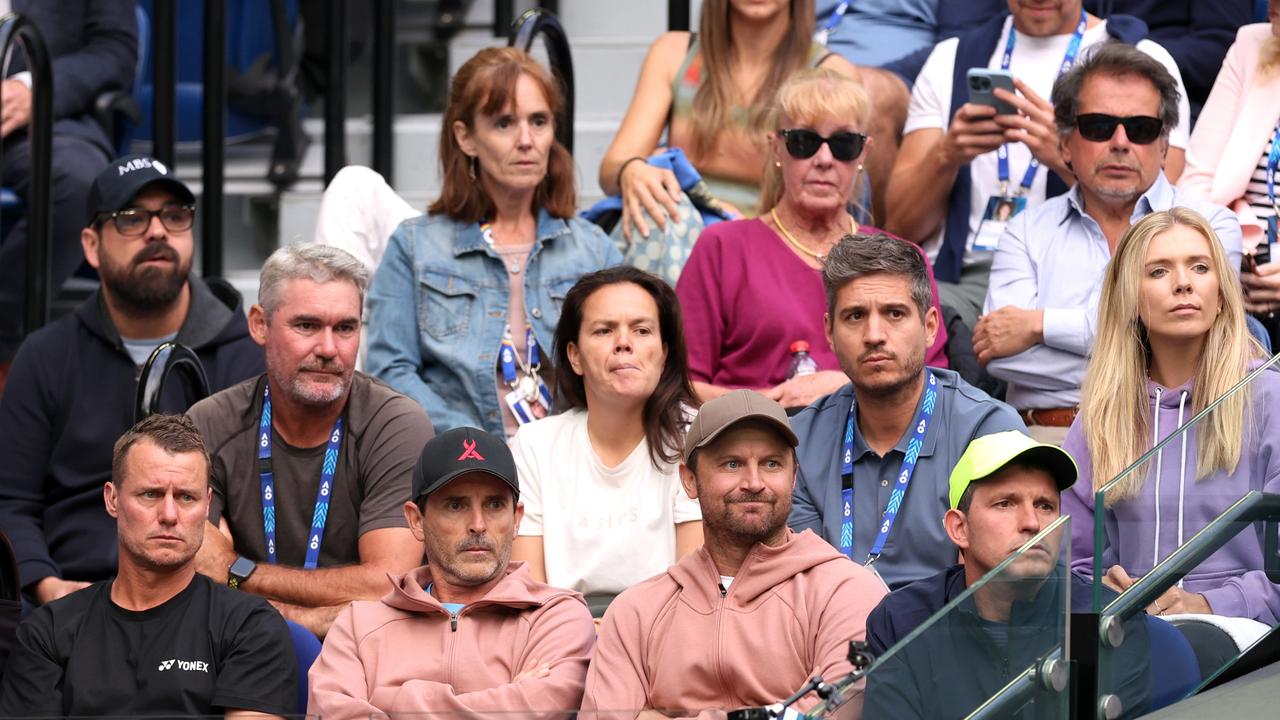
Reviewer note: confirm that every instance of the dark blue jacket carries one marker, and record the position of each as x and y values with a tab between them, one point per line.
93	47
954	666
1195	32
69	396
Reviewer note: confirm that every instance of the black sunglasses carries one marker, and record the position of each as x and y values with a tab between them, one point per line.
802	144
135	221
1099	127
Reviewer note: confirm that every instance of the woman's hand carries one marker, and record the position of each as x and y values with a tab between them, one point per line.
1174	601
646	188
1262	288
802	390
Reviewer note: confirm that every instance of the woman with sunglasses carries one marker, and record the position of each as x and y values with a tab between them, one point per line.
752	290
1172	339
1234	157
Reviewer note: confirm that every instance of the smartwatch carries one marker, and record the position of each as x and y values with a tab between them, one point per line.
240	571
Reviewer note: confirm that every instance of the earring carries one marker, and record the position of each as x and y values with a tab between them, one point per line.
471	168
777	163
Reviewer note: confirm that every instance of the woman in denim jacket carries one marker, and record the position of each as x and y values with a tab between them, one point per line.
467	297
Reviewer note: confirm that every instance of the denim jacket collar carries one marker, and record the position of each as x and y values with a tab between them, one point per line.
470	239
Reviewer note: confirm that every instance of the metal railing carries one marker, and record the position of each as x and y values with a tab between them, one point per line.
541	21
164	361
19	29
384	91
164	79
678	15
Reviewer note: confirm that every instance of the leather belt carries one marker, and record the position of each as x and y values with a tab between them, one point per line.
1049	417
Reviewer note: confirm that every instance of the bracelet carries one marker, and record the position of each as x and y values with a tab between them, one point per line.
625	163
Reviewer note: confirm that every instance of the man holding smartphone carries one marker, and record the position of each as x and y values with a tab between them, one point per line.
960	160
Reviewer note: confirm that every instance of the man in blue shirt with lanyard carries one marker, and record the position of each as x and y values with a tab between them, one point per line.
1115	110
876	454
312	461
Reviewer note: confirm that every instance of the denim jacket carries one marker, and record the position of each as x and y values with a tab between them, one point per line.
438	308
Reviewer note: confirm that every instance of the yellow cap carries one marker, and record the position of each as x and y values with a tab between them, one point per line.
989	454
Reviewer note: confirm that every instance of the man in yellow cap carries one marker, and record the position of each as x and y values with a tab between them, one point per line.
1004	491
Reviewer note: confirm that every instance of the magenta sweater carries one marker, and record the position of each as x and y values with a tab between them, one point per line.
747	296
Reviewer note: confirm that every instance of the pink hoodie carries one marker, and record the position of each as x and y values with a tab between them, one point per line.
678	642
408	654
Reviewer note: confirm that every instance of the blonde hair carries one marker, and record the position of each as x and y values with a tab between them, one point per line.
715	98
807	98
1113	402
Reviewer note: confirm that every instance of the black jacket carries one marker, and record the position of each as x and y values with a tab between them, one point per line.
93	48
956	665
69	396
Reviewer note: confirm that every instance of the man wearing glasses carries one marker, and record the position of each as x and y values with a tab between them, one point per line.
72	390
1114	111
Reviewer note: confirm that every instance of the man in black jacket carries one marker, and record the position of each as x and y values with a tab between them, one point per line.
72	389
1004	491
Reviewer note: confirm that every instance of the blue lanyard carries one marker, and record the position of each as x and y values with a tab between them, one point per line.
1273	162
507	355
904	474
1002	154
834	20
321	514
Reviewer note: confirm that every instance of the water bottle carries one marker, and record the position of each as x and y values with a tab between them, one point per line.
801	362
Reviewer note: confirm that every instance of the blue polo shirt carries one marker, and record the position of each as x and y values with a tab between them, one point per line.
917	546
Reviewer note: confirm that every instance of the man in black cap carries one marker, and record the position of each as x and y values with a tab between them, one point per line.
470	631
73	386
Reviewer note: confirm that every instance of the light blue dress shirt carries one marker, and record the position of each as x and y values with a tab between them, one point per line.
1053	257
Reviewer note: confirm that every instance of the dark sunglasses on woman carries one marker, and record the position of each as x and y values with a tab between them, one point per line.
803	144
1099	127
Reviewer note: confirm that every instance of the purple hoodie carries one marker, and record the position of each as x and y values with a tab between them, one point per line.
1141	531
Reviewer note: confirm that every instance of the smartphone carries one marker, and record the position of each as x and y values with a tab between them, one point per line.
1260	256
982	85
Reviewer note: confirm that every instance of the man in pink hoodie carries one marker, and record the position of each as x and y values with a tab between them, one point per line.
748	618
471	631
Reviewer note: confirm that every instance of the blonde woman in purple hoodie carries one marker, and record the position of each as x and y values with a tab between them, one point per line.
1172	339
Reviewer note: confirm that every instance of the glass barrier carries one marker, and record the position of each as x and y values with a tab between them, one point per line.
998	647
1148	544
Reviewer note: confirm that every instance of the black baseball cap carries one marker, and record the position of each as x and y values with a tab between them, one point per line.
461	451
125	177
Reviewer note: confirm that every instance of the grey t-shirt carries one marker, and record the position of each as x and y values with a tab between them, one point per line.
384	434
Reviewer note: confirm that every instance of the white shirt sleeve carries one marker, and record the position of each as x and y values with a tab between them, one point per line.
931	96
684	509
530	482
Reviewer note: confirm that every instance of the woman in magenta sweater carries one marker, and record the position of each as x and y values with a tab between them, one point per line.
752	288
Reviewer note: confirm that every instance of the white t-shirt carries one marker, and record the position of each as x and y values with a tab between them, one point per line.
1035	61
603	529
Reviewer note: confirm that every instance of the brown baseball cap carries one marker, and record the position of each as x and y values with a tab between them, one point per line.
730	409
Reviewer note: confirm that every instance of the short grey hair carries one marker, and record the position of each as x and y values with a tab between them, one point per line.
1116	59
864	254
308	261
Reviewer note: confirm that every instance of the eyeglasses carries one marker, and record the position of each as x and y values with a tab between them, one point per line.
135	221
803	144
1099	127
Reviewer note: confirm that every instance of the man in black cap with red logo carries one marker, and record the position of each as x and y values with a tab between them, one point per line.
470	631
73	385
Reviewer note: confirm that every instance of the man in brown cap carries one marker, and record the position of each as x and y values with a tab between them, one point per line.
748	618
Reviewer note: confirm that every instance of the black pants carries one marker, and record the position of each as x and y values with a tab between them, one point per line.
76	162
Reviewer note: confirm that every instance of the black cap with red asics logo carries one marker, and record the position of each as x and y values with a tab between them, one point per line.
461	451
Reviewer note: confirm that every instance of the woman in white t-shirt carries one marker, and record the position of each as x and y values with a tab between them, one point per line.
604	508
